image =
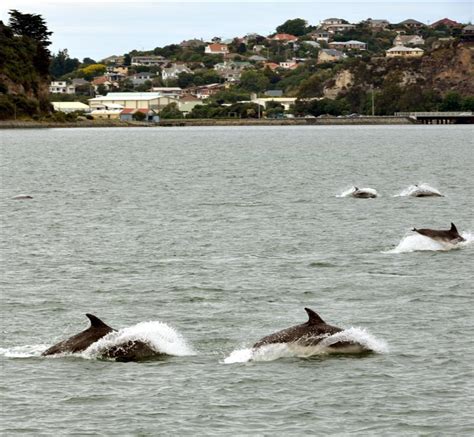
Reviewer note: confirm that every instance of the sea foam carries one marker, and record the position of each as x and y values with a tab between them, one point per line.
420	187
363	341
161	337
417	242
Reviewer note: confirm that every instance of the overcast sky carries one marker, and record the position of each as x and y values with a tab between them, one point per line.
101	28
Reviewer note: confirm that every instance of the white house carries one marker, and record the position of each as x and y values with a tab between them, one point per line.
216	49
404	52
61	87
348	45
174	71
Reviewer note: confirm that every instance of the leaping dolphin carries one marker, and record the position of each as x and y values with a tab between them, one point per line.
307	334
424	191
364	193
450	235
131	350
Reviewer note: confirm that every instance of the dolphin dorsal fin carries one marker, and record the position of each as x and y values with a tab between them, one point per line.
314	318
96	322
453	228
356	188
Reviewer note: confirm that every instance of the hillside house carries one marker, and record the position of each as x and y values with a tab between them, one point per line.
169	91
102	80
330	55
332	21
412	24
148	61
446	22
289	64
408	40
174	71
115	60
320	35
204	91
284	37
468	33
404	52
378	24
141	78
348	45
216	49
61	87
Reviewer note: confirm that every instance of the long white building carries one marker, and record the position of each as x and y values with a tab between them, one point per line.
148	100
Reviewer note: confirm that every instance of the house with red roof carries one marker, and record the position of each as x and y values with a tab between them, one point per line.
445	22
216	49
284	37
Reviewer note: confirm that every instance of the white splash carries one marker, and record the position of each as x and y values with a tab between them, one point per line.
27	351
159	336
417	242
412	189
362	340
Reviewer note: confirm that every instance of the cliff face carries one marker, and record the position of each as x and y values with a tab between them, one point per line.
448	68
24	80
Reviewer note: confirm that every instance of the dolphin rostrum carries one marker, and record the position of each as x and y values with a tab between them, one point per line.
364	193
450	235
131	350
307	334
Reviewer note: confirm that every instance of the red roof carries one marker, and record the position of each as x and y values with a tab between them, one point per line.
446	22
284	37
221	48
100	80
128	110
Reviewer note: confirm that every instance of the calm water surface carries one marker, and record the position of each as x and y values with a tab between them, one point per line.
226	234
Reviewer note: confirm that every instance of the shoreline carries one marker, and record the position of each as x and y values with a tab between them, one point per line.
376	120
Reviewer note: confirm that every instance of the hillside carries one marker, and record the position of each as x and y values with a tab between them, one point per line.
24	63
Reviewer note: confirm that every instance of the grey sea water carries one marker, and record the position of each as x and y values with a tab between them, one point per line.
225	235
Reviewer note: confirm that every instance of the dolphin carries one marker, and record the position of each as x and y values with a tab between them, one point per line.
307	334
450	235
424	191
364	193
131	350
22	197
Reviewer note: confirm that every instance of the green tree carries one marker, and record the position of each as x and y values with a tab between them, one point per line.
296	27
171	111
254	81
88	61
139	116
62	64
30	25
452	102
127	59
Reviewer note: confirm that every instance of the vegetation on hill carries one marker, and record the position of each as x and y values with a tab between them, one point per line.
24	66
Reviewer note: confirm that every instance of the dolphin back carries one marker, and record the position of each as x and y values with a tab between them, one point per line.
81	341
